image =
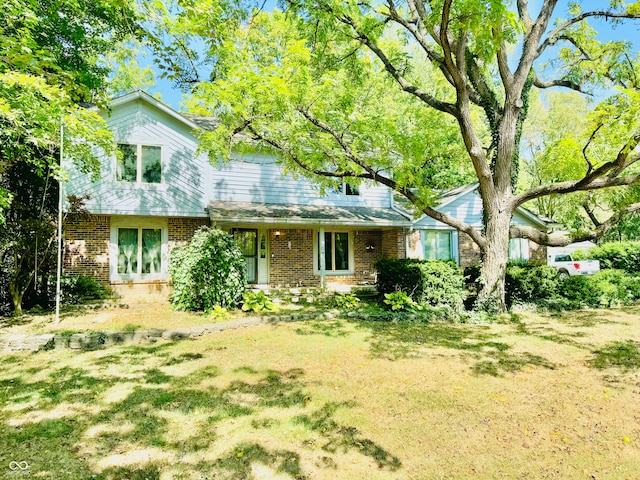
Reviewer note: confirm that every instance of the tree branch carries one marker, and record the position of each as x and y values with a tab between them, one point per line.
553	37
390	67
370	174
561	240
557	83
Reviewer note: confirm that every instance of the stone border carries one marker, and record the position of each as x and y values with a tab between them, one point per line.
97	340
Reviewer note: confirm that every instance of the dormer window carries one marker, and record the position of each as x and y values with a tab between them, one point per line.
139	164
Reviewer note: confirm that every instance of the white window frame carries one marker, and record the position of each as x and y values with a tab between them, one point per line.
524	248
453	243
316	247
139	180
138	223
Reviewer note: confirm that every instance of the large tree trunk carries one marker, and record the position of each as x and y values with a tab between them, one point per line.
16	297
494	263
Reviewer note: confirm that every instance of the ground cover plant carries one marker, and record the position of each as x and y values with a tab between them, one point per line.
528	396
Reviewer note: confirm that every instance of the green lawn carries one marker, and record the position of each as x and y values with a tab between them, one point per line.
526	397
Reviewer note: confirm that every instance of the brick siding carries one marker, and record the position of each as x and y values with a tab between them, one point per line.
293	267
181	230
87	247
87	243
468	251
393	243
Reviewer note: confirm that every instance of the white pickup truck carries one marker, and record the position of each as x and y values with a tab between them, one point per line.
567	266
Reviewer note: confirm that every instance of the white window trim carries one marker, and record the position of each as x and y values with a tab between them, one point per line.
453	243
138	223
139	181
334	273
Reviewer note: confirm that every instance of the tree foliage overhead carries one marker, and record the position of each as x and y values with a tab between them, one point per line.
52	62
417	94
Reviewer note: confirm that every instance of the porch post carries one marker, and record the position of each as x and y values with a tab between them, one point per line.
321	249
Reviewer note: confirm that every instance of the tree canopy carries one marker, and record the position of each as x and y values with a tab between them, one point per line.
417	95
53	67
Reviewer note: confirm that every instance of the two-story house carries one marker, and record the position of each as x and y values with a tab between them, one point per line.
162	190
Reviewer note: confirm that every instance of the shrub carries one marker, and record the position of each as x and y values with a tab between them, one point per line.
604	289
618	255
530	283
208	271
432	282
77	289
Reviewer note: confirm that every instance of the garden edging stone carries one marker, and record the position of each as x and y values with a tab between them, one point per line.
97	340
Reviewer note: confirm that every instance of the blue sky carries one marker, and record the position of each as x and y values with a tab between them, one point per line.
629	31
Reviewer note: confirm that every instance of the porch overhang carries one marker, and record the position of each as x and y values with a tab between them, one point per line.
310	215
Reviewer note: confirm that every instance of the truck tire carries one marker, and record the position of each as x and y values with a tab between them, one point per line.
563	275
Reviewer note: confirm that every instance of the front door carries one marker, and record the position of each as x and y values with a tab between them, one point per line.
247	239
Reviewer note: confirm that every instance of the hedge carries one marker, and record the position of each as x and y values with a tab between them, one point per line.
432	282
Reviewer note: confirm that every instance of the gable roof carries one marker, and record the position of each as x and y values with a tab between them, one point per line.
450	202
145	97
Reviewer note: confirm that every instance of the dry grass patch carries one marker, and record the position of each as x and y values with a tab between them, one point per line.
137	316
524	398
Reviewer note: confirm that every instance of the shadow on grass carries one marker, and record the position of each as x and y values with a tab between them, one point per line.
546	332
491	356
131	416
622	355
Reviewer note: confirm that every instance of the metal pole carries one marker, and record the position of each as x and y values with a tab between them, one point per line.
60	195
322	249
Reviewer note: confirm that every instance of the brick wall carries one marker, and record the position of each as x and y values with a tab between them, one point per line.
292	267
367	249
87	247
87	243
468	251
181	230
393	243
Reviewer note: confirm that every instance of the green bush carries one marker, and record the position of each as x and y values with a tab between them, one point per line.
606	288
530	283
208	271
77	289
617	255
431	282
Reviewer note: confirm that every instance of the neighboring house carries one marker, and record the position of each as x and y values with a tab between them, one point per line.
431	239
162	191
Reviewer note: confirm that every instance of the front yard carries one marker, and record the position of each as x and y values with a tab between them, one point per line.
527	397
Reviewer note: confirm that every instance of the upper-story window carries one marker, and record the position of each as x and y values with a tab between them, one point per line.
139	164
343	188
